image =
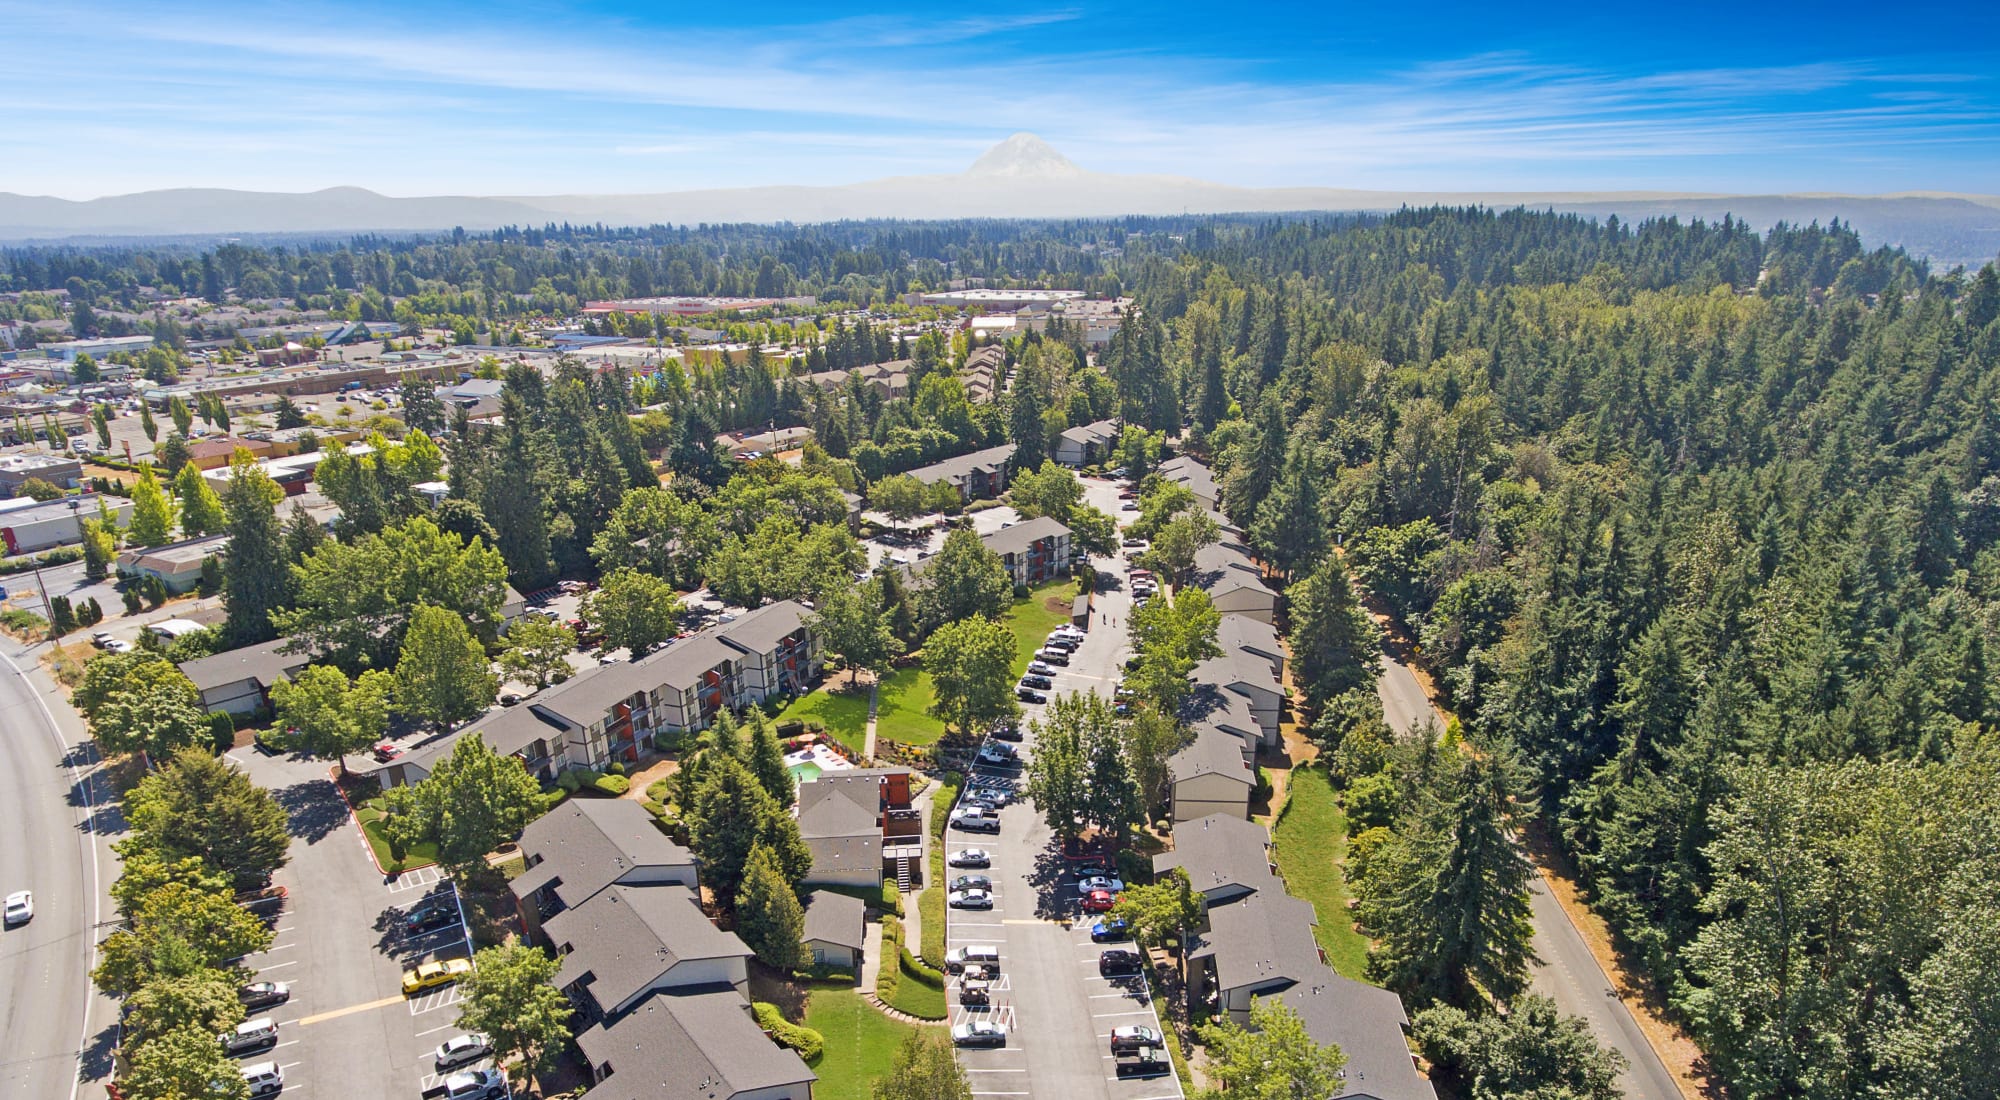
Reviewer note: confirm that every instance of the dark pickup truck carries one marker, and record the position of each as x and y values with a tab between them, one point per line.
1141	1062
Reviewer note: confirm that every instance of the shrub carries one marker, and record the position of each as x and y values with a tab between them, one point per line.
915	968
615	768
892	898
552	799
808	1043
888	979
1262	791
222	731
660	790
612	785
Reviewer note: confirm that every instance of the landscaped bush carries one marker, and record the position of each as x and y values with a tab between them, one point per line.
612	786
552	799
914	967
888	979
660	790
805	1040
892	898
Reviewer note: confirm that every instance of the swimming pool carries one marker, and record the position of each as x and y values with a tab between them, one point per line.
805	772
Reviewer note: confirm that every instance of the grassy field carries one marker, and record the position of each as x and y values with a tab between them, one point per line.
861	1043
918	997
1310	842
844	715
420	855
902	707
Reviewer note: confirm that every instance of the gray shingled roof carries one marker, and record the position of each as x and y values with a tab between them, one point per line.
762	630
1213	751
1264	941
1218	851
992	458
1236	666
624	937
703	1045
1211	704
591	843
1367	1024
836	919
1018	538
1243	634
262	662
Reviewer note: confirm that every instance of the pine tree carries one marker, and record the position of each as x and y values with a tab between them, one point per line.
767	761
515	502
147	424
768	914
1334	643
258	579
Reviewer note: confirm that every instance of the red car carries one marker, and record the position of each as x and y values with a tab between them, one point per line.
386	752
1099	901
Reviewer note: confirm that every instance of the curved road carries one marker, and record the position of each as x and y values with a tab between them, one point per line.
1564	970
55	828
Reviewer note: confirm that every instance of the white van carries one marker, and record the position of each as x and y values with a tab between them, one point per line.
249	1035
264	1079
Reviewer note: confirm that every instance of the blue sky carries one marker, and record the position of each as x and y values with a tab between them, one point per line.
523	97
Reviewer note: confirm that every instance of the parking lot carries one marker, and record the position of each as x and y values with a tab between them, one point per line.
1058	1010
342	946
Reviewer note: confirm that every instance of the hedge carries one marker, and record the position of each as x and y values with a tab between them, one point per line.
930	904
805	1040
888	979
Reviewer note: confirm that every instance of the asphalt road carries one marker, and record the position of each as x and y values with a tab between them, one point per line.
1564	969
56	1032
1058	1010
347	1030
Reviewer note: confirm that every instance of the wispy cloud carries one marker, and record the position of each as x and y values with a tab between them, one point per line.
408	101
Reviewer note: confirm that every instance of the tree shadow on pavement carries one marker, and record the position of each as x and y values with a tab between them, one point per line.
95	1061
315	808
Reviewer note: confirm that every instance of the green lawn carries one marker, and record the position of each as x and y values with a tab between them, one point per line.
917	996
844	715
861	1042
421	855
1310	842
902	707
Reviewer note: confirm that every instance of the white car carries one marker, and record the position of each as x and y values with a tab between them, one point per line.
979	1033
970	857
20	907
970	899
460	1050
119	645
1087	886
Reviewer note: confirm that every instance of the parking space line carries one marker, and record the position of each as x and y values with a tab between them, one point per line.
1109	1015
349	1010
277	966
434	1031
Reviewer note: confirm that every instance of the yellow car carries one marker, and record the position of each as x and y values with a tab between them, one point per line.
435	973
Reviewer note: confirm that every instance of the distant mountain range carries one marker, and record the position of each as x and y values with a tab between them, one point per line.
1022	177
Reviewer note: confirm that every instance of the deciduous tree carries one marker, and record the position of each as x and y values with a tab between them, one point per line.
183	1064
925	1069
442	676
470	803
971	662
964	581
152	513
1275	1058
539	649
330	715
510	997
634	610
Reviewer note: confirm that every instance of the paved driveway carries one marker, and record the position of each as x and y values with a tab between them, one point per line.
1058	1011
348	1030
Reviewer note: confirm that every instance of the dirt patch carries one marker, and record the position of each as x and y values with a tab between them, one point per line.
771	987
649	775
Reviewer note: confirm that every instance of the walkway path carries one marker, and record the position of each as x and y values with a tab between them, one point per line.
1564	970
868	742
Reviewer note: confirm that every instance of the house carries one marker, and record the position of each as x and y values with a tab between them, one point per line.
611	712
587	844
1183	470
861	828
177	565
1212	706
836	928
625	942
53	523
1254	947
1210	776
1088	444
1226	857
1032	551
239	681
700	1043
477	396
888	380
61	471
1250	677
1244	634
1368	1025
528	733
980	475
985	371
1234	583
